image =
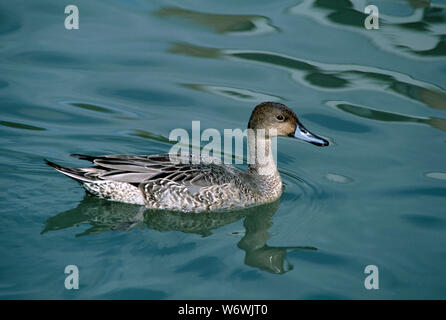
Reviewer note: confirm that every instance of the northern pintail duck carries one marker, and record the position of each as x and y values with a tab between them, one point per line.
191	184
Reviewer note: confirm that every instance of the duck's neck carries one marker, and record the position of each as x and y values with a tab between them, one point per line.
261	160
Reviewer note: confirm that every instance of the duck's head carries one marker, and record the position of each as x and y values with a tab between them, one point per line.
283	121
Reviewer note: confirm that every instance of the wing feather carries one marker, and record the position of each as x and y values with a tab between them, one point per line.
145	168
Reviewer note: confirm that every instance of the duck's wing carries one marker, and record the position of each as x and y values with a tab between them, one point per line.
147	168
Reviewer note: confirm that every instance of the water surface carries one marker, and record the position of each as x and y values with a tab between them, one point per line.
137	69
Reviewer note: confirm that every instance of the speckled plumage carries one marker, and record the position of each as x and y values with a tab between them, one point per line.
164	185
193	183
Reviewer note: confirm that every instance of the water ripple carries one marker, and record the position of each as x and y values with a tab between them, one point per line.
234	93
424	221
92	107
338	77
17	125
9	21
330	77
419	34
436	175
309	195
386	116
234	24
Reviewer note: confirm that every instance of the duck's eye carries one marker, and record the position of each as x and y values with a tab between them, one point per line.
280	117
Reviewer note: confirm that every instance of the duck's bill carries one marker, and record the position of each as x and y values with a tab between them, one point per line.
303	134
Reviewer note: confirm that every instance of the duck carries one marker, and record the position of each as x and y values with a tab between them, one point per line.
196	182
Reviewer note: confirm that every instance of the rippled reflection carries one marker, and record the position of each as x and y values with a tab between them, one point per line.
436	175
105	216
234	93
222	23
9	21
92	107
335	76
419	33
369	113
324	76
17	125
195	51
151	136
338	178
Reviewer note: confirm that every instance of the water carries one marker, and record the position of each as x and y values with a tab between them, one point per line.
137	69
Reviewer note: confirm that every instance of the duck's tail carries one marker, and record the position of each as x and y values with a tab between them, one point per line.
76	174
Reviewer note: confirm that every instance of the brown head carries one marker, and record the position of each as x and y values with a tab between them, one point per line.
277	116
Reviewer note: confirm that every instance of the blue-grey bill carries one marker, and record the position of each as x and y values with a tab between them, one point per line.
303	134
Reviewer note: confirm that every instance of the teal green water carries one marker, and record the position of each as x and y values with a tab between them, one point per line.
137	69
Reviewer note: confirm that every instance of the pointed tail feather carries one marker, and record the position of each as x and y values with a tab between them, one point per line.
73	173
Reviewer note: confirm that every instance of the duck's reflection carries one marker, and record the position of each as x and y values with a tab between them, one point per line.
105	216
